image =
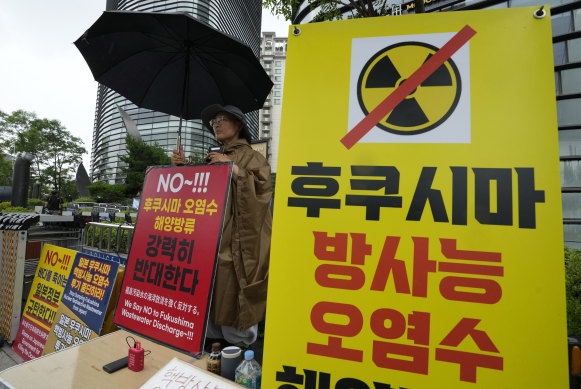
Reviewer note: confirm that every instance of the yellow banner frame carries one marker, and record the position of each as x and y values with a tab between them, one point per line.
432	258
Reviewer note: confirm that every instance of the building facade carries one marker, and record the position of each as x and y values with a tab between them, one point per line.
241	19
566	24
273	59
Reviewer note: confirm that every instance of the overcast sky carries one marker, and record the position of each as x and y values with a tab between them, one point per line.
42	71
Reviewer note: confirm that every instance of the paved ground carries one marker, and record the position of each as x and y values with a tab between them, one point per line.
8	358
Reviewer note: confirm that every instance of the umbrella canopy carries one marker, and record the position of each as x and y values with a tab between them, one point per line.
172	63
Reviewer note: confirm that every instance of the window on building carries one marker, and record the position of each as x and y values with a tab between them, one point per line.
570	176
458	5
277	63
574	50
572	206
559	53
562	23
530	3
276	86
503	4
569	145
570	81
277	71
277	93
276	101
572	232
568	112
277	78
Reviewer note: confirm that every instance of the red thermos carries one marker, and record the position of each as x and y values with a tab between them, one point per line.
136	355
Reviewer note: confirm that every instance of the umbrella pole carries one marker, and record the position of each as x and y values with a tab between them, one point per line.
185	95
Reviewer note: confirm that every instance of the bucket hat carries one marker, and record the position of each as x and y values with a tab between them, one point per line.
211	111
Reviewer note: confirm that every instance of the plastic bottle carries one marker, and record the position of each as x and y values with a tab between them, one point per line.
213	364
249	372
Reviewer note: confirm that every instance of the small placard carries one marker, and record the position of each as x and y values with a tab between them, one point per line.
178	374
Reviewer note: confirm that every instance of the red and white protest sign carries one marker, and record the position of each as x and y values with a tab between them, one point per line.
169	276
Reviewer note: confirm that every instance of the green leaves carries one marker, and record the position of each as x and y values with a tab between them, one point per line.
283	8
139	156
106	193
56	151
573	290
330	9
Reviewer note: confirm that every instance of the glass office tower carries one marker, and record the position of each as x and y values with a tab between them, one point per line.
566	23
241	19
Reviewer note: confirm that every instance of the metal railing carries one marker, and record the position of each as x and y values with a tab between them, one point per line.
67	237
108	238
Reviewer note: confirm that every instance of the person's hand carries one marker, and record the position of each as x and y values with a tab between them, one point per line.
215	157
177	155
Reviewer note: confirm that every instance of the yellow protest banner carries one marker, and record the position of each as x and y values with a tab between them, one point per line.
418	186
67	330
54	267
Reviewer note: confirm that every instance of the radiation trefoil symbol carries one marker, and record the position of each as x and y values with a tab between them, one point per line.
427	106
437	110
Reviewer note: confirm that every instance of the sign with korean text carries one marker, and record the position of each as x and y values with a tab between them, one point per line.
169	276
83	306
177	374
54	267
424	212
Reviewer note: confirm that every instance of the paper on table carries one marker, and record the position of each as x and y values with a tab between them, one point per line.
178	374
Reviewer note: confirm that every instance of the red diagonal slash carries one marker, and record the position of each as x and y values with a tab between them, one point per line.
408	86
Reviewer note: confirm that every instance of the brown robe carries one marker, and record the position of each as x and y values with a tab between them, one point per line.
239	296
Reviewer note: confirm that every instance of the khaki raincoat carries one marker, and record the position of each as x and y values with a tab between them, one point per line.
239	296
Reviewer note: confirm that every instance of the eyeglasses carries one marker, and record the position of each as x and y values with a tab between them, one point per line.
217	120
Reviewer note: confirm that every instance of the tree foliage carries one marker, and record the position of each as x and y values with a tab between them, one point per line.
62	152
69	190
5	172
331	9
107	193
10	124
573	290
55	150
139	156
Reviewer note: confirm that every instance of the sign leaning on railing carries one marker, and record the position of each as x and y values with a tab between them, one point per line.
424	212
169	276
84	303
50	280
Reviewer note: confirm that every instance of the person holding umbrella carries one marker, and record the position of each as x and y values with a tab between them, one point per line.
171	62
239	295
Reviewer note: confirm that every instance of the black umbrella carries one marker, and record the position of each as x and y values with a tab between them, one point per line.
172	63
